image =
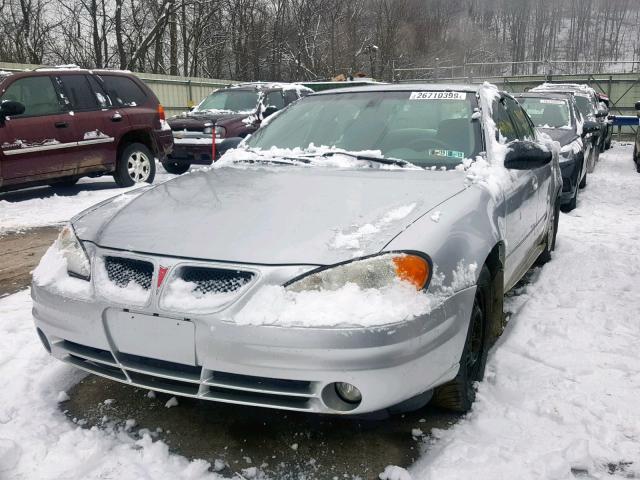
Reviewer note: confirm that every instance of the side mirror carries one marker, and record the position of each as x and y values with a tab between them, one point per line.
270	110
602	112
9	108
637	105
590	127
525	155
228	144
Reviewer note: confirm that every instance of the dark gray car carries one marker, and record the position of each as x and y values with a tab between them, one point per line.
556	115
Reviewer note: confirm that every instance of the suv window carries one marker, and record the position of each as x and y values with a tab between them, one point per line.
123	91
37	94
76	88
503	122
520	120
100	94
274	99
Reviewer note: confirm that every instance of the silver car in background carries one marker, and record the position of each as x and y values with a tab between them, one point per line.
351	256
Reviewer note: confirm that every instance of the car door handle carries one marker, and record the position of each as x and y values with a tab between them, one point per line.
116	117
61	124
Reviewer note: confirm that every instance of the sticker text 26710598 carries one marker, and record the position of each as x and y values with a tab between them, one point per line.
438	96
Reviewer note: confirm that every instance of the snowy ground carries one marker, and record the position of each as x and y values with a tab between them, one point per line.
559	400
40	206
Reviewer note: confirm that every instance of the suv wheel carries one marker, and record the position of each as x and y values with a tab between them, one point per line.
135	165
175	167
458	394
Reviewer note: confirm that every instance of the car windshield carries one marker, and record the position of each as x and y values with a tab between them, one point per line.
428	129
238	101
547	112
585	107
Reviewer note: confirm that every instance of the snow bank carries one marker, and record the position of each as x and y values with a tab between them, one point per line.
38	442
559	400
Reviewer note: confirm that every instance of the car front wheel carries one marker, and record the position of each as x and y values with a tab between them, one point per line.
135	165
458	394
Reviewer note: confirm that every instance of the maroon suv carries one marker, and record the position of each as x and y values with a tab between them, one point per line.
58	125
231	112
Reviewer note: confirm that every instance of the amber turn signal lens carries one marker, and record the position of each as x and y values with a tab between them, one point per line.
413	269
161	112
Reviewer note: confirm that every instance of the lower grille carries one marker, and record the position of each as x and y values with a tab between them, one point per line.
121	271
190	381
215	280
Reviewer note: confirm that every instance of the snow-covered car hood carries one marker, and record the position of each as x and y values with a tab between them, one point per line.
564	136
277	215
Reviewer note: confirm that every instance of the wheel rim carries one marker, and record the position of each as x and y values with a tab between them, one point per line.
139	167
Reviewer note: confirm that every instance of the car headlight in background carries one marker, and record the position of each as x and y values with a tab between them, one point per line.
208	129
568	151
372	272
77	260
221	132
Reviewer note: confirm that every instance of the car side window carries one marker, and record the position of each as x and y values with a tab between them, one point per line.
37	94
290	96
274	99
76	89
520	119
99	93
505	129
123	91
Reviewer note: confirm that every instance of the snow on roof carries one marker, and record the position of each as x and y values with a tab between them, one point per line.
269	85
564	87
403	87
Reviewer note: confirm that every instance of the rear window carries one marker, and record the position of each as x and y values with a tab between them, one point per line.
547	112
124	92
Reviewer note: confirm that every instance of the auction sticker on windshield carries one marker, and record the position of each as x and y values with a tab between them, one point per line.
438	96
446	153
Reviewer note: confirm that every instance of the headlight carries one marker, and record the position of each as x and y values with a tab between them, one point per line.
372	272
569	150
77	261
207	130
221	132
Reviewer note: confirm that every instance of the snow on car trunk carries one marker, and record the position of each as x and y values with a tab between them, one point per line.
559	396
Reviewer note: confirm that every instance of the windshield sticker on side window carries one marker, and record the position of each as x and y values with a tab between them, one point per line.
438	96
446	153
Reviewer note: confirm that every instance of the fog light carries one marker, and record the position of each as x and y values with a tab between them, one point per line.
348	392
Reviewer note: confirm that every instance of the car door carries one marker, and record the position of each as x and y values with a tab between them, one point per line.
521	198
36	143
96	127
543	175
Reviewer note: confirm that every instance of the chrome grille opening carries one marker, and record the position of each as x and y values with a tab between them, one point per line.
121	271
215	280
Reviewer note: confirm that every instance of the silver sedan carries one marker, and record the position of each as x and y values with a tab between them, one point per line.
351	256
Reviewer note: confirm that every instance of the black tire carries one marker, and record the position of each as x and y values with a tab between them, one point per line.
583	182
458	394
550	237
175	167
135	165
636	158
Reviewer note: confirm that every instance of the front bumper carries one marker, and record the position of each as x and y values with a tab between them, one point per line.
209	357
194	151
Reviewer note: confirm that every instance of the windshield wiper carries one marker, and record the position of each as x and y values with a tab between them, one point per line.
274	161
357	156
